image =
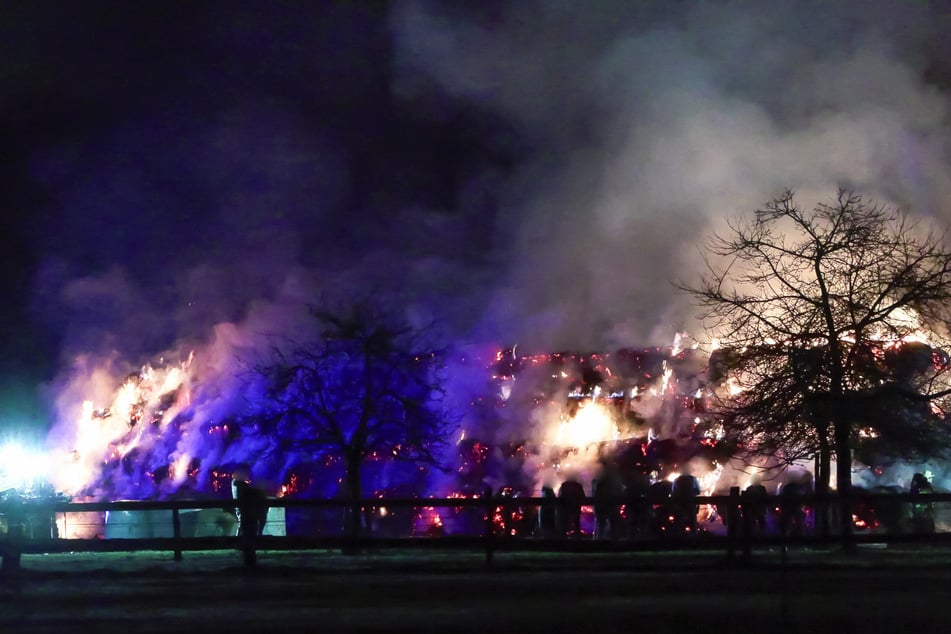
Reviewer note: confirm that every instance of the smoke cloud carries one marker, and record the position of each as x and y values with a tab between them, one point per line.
530	173
652	124
592	149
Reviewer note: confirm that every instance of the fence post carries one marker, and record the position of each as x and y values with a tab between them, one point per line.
747	534
732	519
177	533
10	549
248	524
489	527
9	559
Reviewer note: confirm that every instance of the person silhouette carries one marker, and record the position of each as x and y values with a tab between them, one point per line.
922	513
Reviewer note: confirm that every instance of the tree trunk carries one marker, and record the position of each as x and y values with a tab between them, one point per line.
823	476
354	493
843	476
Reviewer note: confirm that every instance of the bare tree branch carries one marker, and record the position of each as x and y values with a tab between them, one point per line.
821	313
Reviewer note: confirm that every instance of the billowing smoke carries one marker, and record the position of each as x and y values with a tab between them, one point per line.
652	123
530	173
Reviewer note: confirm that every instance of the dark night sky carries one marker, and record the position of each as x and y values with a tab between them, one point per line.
525	172
176	158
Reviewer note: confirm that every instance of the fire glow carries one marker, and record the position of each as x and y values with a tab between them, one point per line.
143	405
550	418
593	423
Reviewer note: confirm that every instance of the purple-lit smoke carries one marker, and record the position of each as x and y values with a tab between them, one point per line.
591	147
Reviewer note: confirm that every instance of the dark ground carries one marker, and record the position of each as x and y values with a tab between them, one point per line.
880	590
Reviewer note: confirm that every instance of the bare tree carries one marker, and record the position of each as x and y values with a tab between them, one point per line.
822	314
369	385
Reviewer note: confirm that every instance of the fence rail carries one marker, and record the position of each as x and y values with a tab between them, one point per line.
36	528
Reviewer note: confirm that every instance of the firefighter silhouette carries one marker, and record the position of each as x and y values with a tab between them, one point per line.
922	513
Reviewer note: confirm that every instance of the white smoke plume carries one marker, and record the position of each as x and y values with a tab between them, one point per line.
653	122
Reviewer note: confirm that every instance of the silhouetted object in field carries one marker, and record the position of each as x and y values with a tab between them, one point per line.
548	514
251	509
684	494
792	509
754	506
636	508
607	492
512	517
888	511
881	513
922	513
570	497
660	509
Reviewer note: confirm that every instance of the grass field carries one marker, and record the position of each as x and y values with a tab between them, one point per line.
815	591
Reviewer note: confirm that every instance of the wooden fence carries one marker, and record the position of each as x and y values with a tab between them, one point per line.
738	539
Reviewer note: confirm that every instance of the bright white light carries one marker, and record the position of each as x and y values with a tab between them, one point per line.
592	423
20	467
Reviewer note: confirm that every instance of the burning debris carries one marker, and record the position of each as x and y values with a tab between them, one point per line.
543	420
562	425
536	423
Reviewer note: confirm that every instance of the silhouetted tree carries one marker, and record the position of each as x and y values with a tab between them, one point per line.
821	314
369	385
